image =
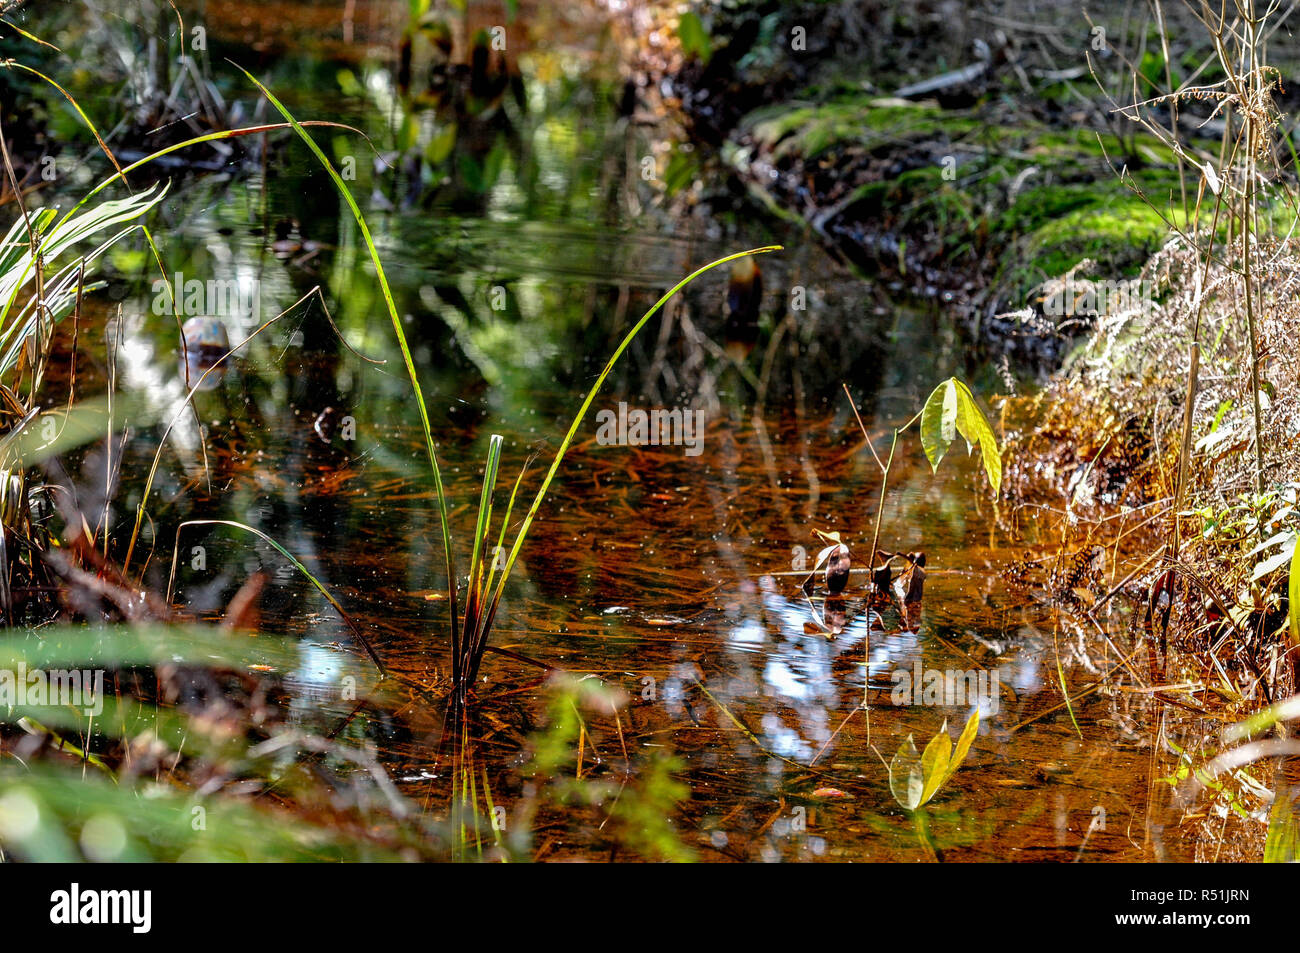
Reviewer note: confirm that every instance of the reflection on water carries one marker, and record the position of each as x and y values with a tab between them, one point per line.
522	239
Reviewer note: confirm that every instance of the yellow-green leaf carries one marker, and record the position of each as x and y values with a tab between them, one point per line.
975	427
939	421
964	742
934	763
906	781
951	409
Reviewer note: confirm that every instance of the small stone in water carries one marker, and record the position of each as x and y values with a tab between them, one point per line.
206	343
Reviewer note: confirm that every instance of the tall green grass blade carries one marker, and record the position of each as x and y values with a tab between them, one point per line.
401	340
492	812
73	646
210	137
474	597
158	820
32	726
320	587
501	538
15	64
586	405
1065	692
9	24
484	524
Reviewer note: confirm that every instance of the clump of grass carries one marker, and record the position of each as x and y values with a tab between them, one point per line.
42	283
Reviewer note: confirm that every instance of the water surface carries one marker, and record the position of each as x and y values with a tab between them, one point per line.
522	238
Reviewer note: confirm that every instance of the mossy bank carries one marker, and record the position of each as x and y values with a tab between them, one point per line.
971	175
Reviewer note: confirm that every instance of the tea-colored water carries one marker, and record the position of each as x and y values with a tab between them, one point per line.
519	254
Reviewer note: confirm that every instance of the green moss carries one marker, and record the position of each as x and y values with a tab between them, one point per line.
1066	203
1072	143
810	131
1118	231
